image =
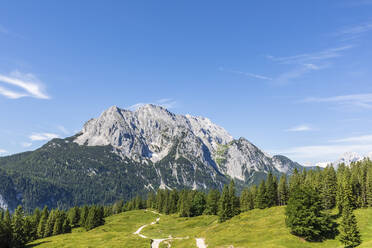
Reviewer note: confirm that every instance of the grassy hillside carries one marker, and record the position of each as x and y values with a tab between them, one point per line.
256	228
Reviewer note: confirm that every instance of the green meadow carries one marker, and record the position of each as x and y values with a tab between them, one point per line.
255	228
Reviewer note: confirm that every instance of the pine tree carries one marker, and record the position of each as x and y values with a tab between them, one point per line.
234	200
150	200
329	188
283	193
224	210
369	186
74	216
85	211
4	234
173	199
245	198
198	204
260	200
349	232
66	228
58	224
304	215
7	228
18	222
212	202
95	218
42	223
271	191
50	224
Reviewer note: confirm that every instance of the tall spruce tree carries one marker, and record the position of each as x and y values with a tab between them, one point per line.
245	200
260	200
18	222
271	191
234	200
224	210
329	188
304	215
349	232
42	223
283	193
212	202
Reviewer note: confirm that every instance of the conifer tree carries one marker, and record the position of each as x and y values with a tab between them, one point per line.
198	204
349	232
7	228
66	228
50	224
245	200
260	200
234	204
85	211
18	222
212	202
304	215
283	193
58	224
369	186
329	188
4	233
42	223
74	216
271	191
150	200
224	211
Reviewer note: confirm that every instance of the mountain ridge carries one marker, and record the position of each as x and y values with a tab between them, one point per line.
122	153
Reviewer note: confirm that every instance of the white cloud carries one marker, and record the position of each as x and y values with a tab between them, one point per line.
167	103
63	129
300	128
357	139
358	100
248	74
355	31
324	152
308	58
26	144
28	84
3	151
43	136
333	150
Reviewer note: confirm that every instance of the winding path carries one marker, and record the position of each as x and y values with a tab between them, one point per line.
200	242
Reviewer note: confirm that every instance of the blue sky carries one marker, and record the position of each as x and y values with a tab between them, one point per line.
293	77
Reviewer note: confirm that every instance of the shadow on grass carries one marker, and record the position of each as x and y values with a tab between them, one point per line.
37	244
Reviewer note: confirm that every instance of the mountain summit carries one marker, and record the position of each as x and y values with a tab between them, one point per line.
123	153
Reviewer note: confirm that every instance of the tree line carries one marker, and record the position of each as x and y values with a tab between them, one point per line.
309	197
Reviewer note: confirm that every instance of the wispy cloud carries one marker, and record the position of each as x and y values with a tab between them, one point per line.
27	84
357	100
167	103
310	58
43	136
353	32
248	74
63	129
26	144
356	139
324	152
331	150
3	151
300	128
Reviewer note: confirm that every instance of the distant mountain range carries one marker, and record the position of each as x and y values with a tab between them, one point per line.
123	153
346	158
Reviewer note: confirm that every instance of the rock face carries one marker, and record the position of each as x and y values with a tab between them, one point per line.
149	133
